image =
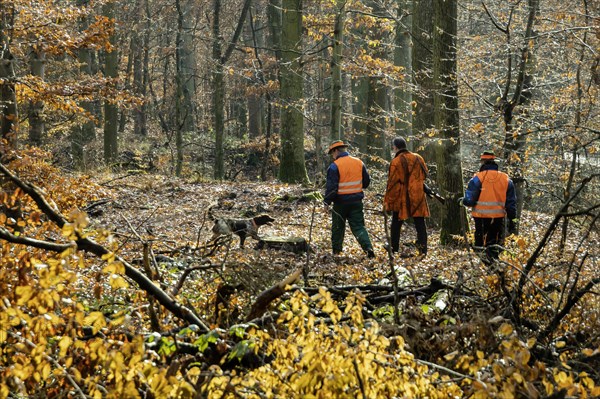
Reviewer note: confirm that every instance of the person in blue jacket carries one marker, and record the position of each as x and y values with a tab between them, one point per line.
492	195
347	176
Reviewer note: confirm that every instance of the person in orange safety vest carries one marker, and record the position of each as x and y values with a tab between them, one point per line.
347	176
492	196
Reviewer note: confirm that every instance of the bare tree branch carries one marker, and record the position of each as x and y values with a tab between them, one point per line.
88	245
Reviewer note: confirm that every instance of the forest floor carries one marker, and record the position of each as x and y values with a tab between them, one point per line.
536	310
173	215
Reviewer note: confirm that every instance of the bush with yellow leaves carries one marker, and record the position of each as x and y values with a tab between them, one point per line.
342	356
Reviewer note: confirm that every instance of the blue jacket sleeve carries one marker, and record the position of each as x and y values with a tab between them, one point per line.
511	201
333	179
366	179
473	191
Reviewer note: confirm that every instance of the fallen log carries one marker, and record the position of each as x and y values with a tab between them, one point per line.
269	295
296	245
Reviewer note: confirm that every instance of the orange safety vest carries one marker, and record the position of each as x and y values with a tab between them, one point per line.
350	169
492	199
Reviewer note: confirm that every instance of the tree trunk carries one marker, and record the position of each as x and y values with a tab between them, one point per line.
218	95
403	58
577	122
422	64
336	72
140	70
449	173
111	112
84	133
187	66
377	100
8	115
180	107
218	98
253	38
8	98
37	127
514	143
273	113
123	117
376	106
360	94
292	167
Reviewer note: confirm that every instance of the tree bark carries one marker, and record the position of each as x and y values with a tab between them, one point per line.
8	97
37	62
187	67
292	167
218	94
422	65
336	72
360	93
111	112
253	38
84	133
449	173
140	67
403	58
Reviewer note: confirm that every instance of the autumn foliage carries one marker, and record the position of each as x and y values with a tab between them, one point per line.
73	323
110	284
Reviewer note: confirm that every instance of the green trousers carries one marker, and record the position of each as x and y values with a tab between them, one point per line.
353	213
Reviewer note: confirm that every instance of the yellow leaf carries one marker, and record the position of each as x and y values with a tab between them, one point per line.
68	230
114	267
64	344
46	371
109	257
505	329
94	319
117	282
24	293
586	351
560	344
450	356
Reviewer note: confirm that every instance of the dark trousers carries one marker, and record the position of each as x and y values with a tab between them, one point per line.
420	226
353	213
489	233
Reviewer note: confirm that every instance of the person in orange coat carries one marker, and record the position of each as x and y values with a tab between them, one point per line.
405	194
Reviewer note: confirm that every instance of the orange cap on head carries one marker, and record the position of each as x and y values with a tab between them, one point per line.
487	156
336	144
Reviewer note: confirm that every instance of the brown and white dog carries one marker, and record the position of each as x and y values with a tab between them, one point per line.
242	227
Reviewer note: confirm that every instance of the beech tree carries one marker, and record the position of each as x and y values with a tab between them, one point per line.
447	123
292	168
403	43
8	98
422	67
111	112
336	71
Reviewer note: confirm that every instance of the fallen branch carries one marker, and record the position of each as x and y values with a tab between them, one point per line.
88	245
269	295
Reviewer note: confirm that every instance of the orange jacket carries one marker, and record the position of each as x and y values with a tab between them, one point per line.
351	175
492	199
404	193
